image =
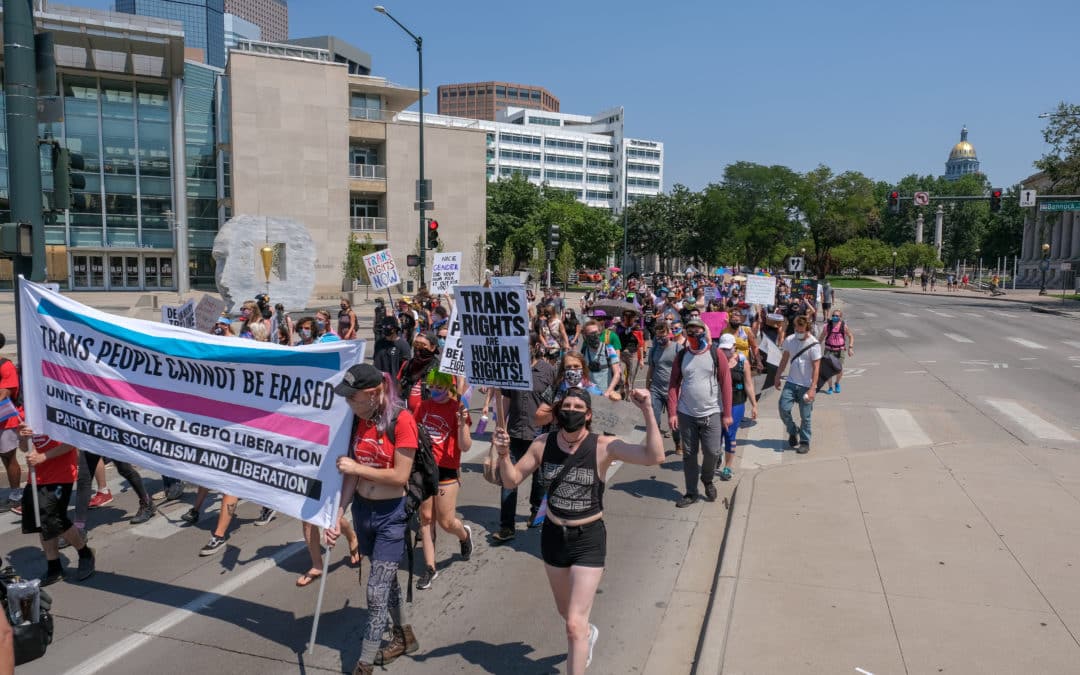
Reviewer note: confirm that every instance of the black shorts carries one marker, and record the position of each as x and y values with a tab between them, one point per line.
448	475
53	502
583	546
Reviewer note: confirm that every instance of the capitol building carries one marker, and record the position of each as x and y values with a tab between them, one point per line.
962	159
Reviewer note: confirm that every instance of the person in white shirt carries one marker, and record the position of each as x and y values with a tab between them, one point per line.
803	352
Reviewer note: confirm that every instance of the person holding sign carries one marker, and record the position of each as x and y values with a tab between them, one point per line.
573	543
376	470
447	422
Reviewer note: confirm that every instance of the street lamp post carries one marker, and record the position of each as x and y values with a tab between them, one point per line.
422	195
978	270
1044	265
892	282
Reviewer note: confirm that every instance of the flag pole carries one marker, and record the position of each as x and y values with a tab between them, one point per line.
19	280
322	581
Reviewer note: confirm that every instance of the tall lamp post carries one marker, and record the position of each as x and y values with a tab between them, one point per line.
978	273
892	282
422	195
1044	265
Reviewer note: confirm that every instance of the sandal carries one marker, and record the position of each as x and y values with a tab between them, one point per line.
307	578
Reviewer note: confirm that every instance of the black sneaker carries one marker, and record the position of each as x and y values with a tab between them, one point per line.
466	546
86	566
265	516
174	492
503	535
710	492
213	546
145	513
803	448
424	582
51	578
191	517
687	500
793	440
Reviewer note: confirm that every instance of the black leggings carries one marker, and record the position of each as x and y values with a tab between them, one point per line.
88	462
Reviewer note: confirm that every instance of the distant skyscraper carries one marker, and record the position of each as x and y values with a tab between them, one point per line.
239	29
962	159
485	100
204	22
271	16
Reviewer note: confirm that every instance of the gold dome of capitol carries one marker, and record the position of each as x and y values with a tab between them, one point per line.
962	150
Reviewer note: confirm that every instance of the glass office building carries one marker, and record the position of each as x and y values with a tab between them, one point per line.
202	98
204	22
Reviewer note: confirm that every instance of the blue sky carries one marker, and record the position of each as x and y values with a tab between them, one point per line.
878	87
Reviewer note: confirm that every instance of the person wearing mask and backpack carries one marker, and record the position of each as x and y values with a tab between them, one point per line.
742	392
602	360
803	352
660	361
839	342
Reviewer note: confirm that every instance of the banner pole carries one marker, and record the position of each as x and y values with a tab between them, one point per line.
18	356
322	582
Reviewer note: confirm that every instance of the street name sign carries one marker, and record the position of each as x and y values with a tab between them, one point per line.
1059	206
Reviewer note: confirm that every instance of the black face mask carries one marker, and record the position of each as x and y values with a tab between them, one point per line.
592	340
424	355
571	420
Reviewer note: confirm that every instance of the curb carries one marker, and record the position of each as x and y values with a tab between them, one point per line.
713	641
1070	314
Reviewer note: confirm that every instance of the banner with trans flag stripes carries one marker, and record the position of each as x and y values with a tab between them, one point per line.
251	419
7	410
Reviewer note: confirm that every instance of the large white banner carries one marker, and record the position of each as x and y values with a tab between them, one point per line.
445	273
251	419
761	290
495	335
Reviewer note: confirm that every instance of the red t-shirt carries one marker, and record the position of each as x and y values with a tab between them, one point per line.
58	470
371	450
441	422
9	379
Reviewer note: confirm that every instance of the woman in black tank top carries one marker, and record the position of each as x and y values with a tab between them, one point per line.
573	463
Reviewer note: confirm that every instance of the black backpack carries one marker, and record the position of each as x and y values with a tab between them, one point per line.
423	484
31	639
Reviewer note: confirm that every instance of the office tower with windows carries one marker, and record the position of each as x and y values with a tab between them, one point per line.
203	20
485	100
271	16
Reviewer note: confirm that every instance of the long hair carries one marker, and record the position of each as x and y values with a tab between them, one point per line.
389	405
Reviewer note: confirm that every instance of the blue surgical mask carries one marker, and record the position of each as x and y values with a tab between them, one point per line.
439	395
442	342
835	319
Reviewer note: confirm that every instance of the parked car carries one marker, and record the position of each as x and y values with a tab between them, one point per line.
590	277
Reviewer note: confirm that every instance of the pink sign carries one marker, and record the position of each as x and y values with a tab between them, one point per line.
716	322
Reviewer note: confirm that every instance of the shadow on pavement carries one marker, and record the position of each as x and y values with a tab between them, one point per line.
511	657
651	488
525	541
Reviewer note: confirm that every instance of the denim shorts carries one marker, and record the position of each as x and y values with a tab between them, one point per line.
566	546
380	527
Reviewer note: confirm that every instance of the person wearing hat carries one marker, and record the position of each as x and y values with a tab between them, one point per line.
407	318
573	542
742	392
699	408
391	350
221	326
376	470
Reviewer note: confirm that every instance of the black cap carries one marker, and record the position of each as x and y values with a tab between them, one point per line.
390	322
358	377
578	392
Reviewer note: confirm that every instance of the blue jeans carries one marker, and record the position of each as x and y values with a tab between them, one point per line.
737	412
791	394
659	406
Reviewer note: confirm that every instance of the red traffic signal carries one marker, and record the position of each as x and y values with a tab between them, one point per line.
995	200
432	234
894	202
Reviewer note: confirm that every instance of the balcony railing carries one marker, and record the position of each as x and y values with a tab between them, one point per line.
373	114
368	171
368	224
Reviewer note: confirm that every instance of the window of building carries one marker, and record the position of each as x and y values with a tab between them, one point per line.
597	194
643	182
453	93
642	154
548	121
512	92
506	153
600	147
563	144
511	170
601	163
555	174
500	91
521	139
644	168
534	95
600	178
564	160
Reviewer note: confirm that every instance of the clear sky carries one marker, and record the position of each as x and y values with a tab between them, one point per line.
878	87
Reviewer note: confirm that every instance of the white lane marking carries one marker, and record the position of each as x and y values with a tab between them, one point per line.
1032	423
871	363
1007	315
96	662
974	314
1072	343
1029	358
957	338
896	333
927	361
1025	343
941	314
909	315
905	431
981	362
854	372
870	314
974	370
914	372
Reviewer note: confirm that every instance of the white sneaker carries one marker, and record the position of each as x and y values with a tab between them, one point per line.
594	633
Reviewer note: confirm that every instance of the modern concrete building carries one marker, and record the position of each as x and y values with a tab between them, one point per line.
585	155
312	142
357	61
237	29
485	100
271	16
203	21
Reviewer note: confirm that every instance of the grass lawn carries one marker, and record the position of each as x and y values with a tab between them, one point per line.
855	282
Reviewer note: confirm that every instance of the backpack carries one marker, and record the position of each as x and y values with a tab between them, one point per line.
422	485
31	639
712	350
406	382
17	399
843	337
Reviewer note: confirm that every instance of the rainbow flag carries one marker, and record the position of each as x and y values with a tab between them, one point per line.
7	410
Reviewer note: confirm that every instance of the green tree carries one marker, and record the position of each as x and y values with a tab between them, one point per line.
352	265
563	266
506	260
834	208
510	203
748	217
1062	163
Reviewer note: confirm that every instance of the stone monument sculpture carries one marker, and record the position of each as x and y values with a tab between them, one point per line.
244	246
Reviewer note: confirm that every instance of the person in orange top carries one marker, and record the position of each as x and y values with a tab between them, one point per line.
447	422
9	434
56	466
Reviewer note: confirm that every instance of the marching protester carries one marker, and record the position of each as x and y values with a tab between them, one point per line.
412	376
325	328
9	432
89	463
632	341
391	350
347	323
56	468
375	472
573	328
314	547
572	373
573	543
801	383
838	341
602	359
447	421
699	408
519	409
658	376
742	391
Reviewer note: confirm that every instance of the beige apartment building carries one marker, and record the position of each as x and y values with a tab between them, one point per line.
310	142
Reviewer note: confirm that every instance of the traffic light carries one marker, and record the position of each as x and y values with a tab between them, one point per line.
894	202
432	234
553	239
995	200
64	181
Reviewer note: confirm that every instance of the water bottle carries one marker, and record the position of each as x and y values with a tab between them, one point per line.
481	426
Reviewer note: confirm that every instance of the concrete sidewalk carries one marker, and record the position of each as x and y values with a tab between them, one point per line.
954	559
1051	303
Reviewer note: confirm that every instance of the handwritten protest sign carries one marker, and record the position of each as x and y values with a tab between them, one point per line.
207	312
761	290
711	293
251	419
453	356
445	273
381	269
179	315
495	336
